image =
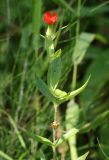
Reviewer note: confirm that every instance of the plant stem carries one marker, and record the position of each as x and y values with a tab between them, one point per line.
74	76
49	41
54	132
73	149
72	143
76	45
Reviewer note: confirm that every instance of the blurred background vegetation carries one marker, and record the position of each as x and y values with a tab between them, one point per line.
22	55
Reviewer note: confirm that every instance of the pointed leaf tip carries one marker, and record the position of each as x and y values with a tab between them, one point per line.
83	157
76	92
66	136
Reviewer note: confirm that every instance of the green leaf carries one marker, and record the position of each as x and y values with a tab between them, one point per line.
83	157
65	136
54	71
58	96
39	138
85	40
42	156
71	120
5	156
74	93
44	89
43	140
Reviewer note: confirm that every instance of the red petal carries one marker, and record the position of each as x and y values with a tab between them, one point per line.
46	17
54	18
50	18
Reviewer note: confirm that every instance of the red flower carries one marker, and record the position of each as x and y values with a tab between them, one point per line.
50	18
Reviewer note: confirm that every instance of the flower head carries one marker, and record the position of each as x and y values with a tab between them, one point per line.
50	18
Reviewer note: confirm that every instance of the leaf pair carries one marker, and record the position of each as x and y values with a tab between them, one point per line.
46	141
57	96
64	137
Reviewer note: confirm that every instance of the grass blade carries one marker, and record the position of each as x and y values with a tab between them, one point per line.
15	128
5	156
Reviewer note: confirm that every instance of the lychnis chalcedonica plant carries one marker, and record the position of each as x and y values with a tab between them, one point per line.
51	90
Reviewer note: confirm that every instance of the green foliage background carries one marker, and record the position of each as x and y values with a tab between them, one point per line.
23	55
